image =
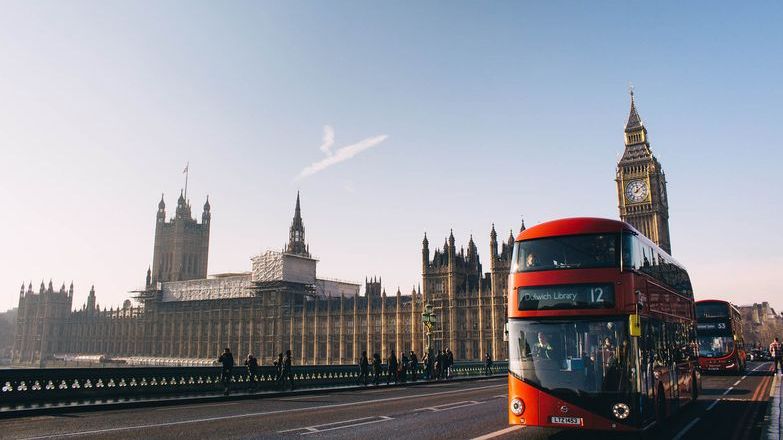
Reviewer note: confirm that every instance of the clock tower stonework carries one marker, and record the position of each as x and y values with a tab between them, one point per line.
641	184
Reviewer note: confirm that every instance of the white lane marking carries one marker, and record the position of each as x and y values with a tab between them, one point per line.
499	433
338	425
501	395
380	419
686	428
448	406
211	405
722	397
255	414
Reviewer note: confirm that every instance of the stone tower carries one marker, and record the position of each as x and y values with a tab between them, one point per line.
41	323
296	236
181	244
641	184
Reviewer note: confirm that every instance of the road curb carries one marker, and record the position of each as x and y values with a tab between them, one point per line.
773	419
190	400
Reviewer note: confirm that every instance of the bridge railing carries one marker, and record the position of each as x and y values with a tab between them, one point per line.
42	386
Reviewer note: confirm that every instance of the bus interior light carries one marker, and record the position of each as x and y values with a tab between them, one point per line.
517	406
621	410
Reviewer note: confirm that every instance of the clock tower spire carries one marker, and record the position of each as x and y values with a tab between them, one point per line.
641	184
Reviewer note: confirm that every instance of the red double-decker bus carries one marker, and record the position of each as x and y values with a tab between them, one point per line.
719	327
601	328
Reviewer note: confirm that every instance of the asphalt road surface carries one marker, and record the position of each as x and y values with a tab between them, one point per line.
731	407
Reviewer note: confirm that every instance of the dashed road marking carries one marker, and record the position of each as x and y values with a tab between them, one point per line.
686	428
499	433
342	424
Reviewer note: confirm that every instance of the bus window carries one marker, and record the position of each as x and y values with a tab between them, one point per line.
567	252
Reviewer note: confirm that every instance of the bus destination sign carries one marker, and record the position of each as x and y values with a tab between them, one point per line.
572	296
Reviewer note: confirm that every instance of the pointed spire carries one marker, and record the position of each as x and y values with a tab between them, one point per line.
161	204
634	120
425	243
493	235
522	228
296	235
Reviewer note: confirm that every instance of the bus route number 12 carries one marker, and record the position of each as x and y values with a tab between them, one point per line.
596	295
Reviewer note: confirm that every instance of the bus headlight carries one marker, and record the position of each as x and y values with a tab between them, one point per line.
621	411
517	406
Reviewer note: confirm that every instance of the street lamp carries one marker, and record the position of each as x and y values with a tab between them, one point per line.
429	319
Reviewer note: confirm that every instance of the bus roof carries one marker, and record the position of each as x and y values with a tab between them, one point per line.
575	226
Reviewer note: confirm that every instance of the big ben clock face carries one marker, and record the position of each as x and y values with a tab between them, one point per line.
636	191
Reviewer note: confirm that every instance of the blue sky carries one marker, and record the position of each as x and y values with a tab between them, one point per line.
491	111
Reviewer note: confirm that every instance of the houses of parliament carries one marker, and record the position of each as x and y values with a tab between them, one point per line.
183	316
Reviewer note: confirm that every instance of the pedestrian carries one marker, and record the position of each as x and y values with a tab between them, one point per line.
403	369
364	368
449	362
426	362
227	361
391	369
488	364
430	364
251	363
278	368
414	362
376	368
439	365
287	371
776	351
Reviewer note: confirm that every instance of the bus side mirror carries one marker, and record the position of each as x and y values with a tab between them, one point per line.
634	325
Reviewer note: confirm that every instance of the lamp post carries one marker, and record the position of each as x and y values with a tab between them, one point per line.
429	319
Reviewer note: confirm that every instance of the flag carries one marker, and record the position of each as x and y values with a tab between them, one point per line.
186	168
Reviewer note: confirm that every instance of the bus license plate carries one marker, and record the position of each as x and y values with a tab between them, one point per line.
574	421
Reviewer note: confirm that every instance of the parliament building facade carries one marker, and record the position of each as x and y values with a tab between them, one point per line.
182	316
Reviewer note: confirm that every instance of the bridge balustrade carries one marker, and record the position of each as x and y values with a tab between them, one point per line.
33	387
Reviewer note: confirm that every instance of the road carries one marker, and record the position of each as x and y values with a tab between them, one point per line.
731	407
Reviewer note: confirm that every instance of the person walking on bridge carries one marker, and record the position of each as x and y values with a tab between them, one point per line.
278	368
376	368
776	351
414	362
391	370
227	361
252	370
488	364
286	372
364	368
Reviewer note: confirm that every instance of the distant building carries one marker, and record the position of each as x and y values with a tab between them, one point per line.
761	324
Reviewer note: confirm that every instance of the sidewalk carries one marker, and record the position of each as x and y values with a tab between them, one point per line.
123	403
773	420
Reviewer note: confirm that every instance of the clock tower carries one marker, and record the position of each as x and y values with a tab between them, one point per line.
641	184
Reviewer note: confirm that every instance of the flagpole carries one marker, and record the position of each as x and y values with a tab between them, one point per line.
187	171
